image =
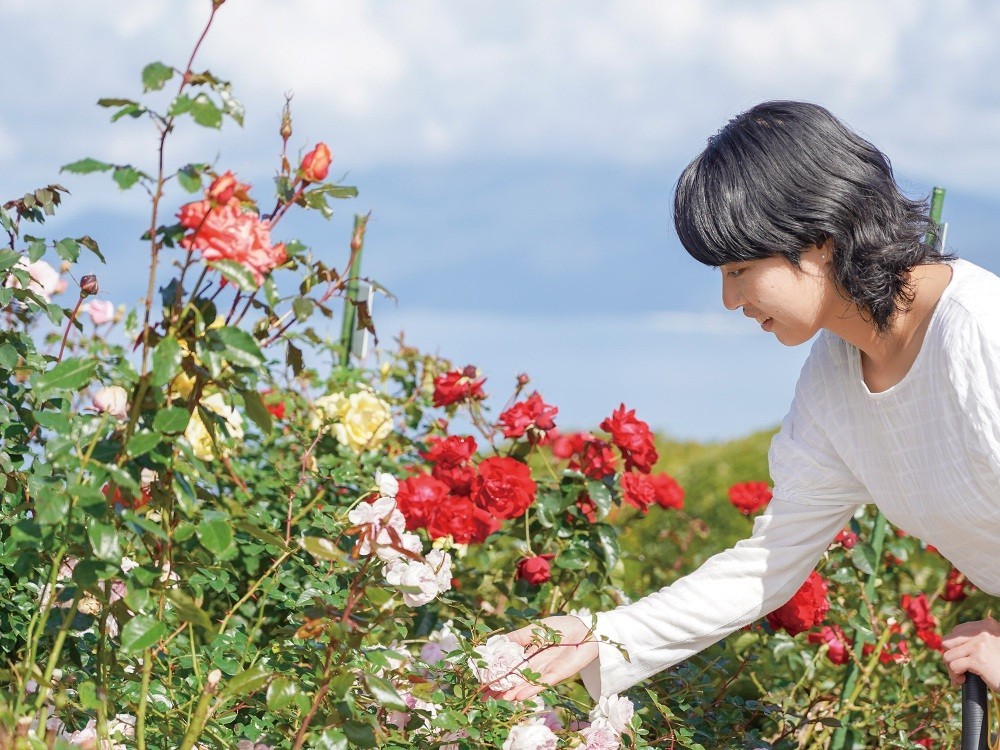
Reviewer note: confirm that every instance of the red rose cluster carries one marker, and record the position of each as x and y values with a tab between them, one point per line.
458	385
895	651
642	490
749	497
633	438
461	499
532	416
847	538
918	609
806	609
839	645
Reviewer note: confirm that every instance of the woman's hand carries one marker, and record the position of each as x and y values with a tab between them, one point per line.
575	651
974	647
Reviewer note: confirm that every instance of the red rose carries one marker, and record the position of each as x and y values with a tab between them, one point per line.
805	609
587	507
535	570
637	490
918	609
894	652
955	586
838	644
567	446
451	450
462	519
504	487
418	499
932	638
597	460
456	386
133	503
750	496
275	408
847	538
316	164
669	494
458	478
633	439
524	415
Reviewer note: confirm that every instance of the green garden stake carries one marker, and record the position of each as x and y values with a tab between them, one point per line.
350	316
844	737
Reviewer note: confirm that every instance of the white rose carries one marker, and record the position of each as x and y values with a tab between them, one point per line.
377	518
530	737
601	736
440	563
497	663
113	400
441	642
618	710
409	542
387	484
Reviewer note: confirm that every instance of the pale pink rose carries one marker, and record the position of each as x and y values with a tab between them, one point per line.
501	661
45	280
440	562
600	735
112	400
441	642
618	710
100	311
400	719
530	737
407	541
376	519
417	577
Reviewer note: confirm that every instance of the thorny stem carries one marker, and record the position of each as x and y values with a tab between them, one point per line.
69	324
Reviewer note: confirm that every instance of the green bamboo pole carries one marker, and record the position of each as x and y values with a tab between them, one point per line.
843	738
350	316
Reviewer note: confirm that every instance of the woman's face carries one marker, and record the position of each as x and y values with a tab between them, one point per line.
792	302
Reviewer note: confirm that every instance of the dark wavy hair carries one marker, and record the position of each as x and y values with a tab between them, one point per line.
784	176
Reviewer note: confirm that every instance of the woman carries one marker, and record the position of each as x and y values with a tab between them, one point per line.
898	403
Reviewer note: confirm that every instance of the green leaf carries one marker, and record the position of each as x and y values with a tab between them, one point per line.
331	739
69	375
141	632
125	176
68	249
601	496
85	166
257	411
51	506
863	557
142	443
240	347
172	420
248	681
155	75
104	541
303	307
237	273
129	110
384	693
359	734
293	358
5	221
88	695
112	102
36	248
133	519
188	610
280	693
607	543
323	549
166	361
205	113
261	534
179	105
216	535
88	242
574	557
189	178
8	259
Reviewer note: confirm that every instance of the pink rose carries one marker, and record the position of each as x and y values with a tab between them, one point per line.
601	736
316	164
530	736
112	400
497	663
100	311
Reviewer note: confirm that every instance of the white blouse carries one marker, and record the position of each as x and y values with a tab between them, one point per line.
926	452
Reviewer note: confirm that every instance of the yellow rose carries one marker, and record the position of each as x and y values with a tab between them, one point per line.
360	421
197	433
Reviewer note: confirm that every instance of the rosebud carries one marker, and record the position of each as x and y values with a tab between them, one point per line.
89	285
222	189
316	164
535	570
286	123
356	242
470	371
112	400
523	379
213	679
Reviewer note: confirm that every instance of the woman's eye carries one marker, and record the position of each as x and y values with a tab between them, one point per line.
734	273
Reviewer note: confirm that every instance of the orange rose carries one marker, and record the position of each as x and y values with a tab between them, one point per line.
316	164
224	188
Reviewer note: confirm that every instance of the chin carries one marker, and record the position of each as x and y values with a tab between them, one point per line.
794	338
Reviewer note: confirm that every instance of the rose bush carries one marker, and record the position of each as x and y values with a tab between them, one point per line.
209	541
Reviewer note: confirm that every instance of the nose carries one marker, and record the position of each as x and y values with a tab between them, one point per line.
730	297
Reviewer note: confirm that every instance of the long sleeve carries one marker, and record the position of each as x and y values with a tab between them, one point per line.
814	496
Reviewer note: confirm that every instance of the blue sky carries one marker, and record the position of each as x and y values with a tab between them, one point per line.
519	158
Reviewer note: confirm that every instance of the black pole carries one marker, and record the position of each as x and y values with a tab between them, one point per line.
975	726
